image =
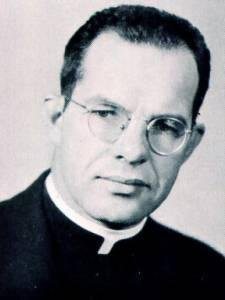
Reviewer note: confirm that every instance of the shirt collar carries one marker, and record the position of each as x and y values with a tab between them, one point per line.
110	236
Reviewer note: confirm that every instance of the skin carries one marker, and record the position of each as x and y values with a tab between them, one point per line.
89	173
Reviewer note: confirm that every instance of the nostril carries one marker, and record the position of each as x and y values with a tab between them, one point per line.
138	161
122	127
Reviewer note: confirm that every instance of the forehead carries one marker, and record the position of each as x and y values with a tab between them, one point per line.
138	75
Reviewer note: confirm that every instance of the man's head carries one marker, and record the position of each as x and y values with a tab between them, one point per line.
130	75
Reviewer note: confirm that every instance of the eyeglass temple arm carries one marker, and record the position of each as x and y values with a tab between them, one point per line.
79	104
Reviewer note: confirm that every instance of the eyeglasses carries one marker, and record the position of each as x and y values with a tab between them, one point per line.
165	135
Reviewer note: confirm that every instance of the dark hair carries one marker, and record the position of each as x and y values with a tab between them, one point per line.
138	24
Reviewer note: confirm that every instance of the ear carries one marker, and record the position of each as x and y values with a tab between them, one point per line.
194	140
54	106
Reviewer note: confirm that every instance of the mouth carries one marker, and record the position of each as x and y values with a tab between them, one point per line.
126	181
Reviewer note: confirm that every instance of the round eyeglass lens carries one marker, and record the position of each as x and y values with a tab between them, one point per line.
166	135
107	123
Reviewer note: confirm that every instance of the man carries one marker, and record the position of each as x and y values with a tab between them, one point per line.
132	83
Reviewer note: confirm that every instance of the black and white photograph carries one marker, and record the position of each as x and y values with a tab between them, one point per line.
112	159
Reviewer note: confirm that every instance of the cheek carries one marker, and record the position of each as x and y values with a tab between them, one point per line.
167	171
79	148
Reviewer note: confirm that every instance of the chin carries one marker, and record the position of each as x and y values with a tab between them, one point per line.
121	221
118	212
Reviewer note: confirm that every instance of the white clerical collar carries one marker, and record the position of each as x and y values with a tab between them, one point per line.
110	236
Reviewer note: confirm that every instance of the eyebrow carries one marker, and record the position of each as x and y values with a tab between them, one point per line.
169	115
108	102
103	101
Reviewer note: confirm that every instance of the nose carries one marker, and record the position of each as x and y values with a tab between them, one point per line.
132	146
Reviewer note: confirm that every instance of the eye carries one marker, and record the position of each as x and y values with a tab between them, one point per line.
103	113
168	126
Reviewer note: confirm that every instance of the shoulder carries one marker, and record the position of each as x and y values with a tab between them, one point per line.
186	254
20	213
31	192
180	263
25	242
175	241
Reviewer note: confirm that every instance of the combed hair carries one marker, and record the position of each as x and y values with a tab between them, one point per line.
137	24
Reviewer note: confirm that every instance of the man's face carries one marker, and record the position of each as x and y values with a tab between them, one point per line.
146	81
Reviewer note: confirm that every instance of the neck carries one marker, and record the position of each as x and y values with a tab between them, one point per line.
70	203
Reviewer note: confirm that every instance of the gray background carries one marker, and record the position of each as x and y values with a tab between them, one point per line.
32	38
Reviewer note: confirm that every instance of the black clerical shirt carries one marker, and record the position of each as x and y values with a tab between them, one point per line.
43	255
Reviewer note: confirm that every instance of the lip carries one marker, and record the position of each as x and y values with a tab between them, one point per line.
126	181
